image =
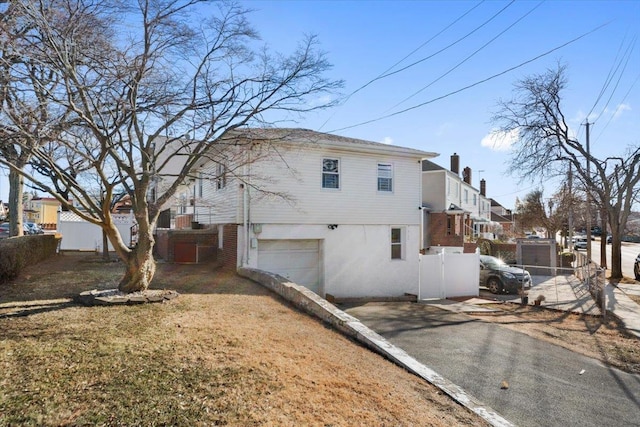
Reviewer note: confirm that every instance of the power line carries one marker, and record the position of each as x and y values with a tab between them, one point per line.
621	102
468	57
384	73
473	84
608	79
628	57
449	45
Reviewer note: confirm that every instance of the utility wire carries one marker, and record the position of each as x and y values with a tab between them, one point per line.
384	73
473	84
449	45
467	58
621	102
628	57
608	79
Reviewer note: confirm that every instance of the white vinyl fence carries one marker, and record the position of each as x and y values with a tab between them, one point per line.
447	275
80	235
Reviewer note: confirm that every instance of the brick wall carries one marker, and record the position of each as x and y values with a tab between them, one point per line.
206	240
438	231
228	255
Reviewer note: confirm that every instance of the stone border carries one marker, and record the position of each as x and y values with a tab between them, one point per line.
311	303
115	297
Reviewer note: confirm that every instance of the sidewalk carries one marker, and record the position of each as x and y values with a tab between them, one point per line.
564	293
624	307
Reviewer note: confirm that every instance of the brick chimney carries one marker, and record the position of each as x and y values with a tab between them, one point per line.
466	175
483	187
455	163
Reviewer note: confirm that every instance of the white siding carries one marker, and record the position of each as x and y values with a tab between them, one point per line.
297	177
434	190
468	206
224	204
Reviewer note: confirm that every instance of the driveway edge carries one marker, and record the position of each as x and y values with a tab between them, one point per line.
311	303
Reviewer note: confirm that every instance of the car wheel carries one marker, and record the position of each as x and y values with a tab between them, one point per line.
494	285
636	270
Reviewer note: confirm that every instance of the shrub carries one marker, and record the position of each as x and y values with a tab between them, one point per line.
19	252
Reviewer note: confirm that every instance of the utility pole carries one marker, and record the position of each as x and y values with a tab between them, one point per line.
570	206
588	191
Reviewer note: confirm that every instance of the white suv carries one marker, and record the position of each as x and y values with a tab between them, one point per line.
580	243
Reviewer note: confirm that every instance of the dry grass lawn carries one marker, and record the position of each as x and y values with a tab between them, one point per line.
226	352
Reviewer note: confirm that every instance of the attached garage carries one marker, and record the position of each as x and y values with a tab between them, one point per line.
297	260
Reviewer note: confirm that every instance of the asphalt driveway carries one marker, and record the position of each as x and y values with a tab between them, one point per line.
548	385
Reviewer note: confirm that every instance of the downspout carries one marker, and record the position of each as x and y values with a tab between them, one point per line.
422	232
245	221
247	205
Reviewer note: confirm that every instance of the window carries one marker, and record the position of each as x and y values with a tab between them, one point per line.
385	177
475	199
396	243
466	196
453	225
221	176
330	173
200	185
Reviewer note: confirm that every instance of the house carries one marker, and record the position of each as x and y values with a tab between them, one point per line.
455	212
503	217
43	211
338	215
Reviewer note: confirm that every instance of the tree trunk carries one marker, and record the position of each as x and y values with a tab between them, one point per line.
105	246
139	272
616	252
603	238
140	265
16	210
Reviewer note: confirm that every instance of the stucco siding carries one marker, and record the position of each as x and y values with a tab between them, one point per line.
355	260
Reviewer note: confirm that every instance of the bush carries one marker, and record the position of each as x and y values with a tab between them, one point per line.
18	252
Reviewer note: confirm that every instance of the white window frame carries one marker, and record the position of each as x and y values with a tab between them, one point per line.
393	244
221	176
331	173
388	179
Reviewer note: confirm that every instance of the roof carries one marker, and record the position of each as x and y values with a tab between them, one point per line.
500	218
430	166
295	135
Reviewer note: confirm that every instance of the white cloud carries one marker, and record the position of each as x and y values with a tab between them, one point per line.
500	141
621	109
387	140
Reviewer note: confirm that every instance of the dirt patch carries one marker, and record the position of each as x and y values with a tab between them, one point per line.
607	341
226	352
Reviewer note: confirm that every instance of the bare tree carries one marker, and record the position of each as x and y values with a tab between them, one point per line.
551	214
163	79
27	118
545	148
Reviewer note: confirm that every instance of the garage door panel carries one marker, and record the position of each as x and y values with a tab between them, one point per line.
297	260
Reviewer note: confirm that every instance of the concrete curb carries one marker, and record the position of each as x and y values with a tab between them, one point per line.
311	303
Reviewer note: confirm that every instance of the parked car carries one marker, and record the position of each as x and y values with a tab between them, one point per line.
580	243
4	230
636	267
34	228
498	276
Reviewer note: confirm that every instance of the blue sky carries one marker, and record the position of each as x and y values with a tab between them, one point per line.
364	39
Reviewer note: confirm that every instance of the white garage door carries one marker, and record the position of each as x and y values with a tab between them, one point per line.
297	260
